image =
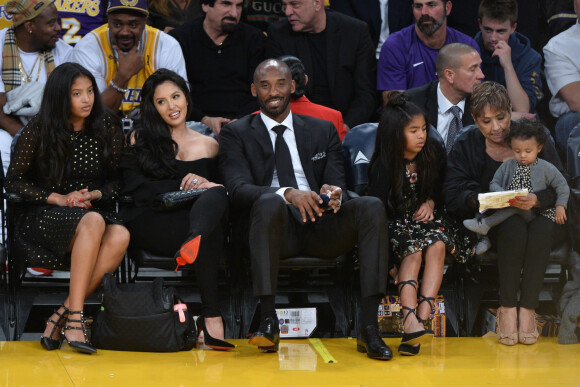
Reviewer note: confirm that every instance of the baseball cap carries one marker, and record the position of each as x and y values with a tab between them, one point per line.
139	6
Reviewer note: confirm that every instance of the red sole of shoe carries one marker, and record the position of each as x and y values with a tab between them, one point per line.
261	341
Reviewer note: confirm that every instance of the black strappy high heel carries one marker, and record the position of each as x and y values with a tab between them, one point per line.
430	301
209	341
49	343
80	346
418	337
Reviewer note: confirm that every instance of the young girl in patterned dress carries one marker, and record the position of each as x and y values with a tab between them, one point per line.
406	172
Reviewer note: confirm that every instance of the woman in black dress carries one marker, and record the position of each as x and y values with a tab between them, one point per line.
166	156
64	165
405	172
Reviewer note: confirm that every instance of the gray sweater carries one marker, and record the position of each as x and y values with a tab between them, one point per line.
543	175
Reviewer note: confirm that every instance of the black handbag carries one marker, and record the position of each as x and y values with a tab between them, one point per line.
146	317
175	199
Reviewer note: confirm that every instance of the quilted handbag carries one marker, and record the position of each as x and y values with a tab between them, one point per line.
175	199
146	317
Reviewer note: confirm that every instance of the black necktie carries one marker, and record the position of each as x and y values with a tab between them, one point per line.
454	127
284	166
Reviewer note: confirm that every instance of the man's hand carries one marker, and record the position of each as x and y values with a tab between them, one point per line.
516	116
130	63
215	123
335	195
306	201
504	52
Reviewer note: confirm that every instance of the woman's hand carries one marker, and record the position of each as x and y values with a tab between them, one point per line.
561	215
425	212
192	181
525	202
79	198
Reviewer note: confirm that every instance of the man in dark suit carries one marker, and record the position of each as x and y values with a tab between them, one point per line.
446	101
338	54
276	166
398	14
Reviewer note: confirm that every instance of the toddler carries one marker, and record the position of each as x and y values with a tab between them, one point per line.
526	170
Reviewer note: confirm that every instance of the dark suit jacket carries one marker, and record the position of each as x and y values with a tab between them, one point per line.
426	98
350	58
400	14
246	157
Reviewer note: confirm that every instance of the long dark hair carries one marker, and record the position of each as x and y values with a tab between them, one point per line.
153	145
390	144
54	126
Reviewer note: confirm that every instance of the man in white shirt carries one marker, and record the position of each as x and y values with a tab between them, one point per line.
562	66
31	49
458	70
124	52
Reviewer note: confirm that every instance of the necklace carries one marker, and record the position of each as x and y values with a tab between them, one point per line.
27	77
74	135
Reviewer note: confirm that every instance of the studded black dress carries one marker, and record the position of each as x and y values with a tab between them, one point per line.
45	231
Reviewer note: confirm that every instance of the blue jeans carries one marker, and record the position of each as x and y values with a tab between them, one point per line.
564	127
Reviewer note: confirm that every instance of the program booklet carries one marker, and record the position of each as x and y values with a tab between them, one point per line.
501	199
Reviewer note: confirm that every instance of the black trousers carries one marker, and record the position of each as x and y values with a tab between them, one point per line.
164	233
275	233
523	253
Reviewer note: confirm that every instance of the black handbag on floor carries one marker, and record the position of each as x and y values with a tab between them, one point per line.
146	317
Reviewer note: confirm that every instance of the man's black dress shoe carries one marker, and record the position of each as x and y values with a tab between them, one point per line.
369	341
267	337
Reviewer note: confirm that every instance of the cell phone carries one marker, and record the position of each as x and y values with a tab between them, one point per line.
325	200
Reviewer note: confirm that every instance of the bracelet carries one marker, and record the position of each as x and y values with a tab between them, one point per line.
99	191
117	88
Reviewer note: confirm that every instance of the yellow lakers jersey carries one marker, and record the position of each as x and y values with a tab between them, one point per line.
149	43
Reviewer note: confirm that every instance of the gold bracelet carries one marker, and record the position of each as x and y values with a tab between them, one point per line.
99	191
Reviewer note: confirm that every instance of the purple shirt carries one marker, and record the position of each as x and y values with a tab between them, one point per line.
406	62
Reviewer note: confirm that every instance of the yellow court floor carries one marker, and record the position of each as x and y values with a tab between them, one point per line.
445	362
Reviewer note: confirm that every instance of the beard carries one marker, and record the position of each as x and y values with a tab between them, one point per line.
227	27
434	27
277	111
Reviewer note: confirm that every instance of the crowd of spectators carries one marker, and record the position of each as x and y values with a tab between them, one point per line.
155	64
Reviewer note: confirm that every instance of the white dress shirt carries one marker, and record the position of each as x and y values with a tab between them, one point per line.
444	115
290	139
384	33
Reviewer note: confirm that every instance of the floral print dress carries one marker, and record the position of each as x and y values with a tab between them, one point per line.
408	236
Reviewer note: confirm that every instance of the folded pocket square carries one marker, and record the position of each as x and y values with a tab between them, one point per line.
319	156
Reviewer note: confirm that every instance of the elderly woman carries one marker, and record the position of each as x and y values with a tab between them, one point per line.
523	248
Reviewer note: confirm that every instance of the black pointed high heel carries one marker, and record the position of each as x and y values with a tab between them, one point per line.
49	343
80	346
208	340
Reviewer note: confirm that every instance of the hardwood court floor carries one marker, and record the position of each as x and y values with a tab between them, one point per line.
445	362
